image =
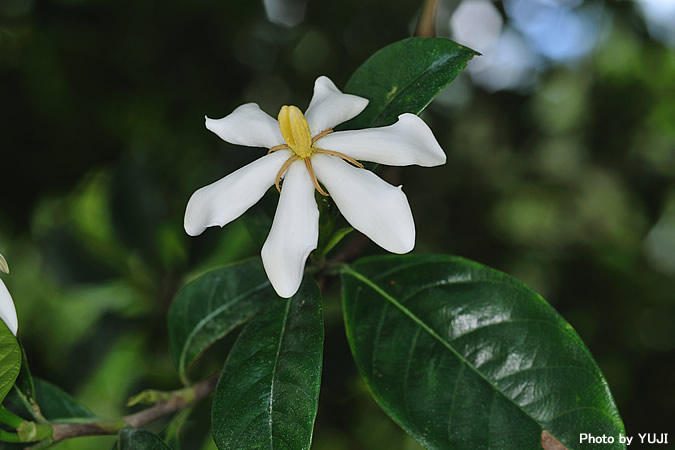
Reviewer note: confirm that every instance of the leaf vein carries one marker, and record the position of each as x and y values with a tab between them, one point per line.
206	319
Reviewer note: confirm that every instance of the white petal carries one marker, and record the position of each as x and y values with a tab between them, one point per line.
7	311
247	125
330	107
408	141
221	202
370	204
294	233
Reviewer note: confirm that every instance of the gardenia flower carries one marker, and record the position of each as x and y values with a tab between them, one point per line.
306	153
7	310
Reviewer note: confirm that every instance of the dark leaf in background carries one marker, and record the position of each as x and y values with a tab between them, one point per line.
258	219
211	306
24	388
56	404
130	439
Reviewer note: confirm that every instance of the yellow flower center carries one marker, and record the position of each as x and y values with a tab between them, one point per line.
295	131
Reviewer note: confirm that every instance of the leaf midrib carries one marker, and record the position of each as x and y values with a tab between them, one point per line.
274	368
496	277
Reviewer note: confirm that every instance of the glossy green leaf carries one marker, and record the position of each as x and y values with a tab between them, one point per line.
268	392
465	357
404	77
211	306
131	439
56	404
10	360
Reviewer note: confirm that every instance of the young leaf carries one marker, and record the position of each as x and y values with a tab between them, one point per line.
211	306
404	77
335	239
268	392
10	360
130	439
172	435
462	356
56	404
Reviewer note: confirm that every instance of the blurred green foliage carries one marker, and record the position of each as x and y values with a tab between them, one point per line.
568	185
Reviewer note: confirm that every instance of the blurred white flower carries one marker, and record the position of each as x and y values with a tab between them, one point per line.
7	310
304	152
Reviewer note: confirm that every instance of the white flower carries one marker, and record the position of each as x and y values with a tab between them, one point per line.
304	151
7	310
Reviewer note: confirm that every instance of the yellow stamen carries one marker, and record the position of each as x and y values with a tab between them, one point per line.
295	130
339	155
286	165
320	135
278	147
310	169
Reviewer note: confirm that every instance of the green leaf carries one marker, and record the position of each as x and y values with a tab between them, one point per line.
10	360
211	306
174	428
56	404
463	356
268	392
404	77
24	381
130	439
22	397
335	239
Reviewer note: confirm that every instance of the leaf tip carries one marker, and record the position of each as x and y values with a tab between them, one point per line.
548	442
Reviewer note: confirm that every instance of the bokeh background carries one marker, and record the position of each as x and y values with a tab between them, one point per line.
561	172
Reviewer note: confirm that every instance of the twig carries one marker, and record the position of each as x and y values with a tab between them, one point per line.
177	401
426	26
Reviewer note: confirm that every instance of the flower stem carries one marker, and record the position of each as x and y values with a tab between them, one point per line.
426	25
9	418
169	402
6	436
32	432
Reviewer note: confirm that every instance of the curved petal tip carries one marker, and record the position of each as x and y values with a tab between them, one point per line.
330	106
247	125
